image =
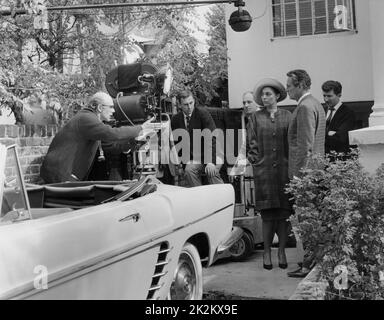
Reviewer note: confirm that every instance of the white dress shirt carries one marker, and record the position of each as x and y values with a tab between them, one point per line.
302	97
335	110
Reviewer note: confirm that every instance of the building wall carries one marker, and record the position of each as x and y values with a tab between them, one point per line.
32	142
345	56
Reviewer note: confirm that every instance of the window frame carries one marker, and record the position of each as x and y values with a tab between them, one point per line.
351	17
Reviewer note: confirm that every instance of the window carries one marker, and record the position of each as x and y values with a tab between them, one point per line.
312	17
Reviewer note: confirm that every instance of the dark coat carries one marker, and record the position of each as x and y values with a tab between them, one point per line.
306	134
268	154
200	119
74	147
342	122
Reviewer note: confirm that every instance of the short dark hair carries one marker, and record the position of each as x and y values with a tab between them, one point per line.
184	94
300	76
275	91
332	85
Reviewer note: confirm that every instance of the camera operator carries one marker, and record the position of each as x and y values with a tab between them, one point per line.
72	151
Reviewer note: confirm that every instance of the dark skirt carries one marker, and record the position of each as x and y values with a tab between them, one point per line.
275	214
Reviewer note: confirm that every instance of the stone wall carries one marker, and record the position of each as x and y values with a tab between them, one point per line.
32	144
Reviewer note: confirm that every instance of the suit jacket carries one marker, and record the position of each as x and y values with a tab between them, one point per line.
306	134
342	121
200	119
74	147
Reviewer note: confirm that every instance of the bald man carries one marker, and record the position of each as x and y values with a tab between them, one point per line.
72	151
249	103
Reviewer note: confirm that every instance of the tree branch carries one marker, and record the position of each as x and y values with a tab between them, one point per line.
41	44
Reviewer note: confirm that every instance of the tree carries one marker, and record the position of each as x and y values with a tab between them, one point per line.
192	69
178	48
216	65
79	34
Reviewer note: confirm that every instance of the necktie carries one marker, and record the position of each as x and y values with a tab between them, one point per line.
187	119
327	123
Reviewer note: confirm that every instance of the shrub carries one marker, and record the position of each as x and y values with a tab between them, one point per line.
340	214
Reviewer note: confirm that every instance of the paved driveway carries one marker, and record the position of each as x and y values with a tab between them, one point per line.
249	280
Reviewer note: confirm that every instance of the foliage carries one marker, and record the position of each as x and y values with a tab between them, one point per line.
49	87
194	70
33	61
340	209
216	65
178	50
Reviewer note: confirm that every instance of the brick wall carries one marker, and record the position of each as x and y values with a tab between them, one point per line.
32	144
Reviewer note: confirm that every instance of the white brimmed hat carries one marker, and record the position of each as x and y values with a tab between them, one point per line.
269	82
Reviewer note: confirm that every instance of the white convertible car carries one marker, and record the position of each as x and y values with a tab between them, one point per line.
109	240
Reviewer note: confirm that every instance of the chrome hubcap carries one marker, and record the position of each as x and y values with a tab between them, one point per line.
184	284
237	248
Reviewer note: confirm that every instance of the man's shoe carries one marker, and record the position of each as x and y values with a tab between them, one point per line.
267	266
299	273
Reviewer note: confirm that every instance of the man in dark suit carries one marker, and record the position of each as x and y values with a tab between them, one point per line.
72	151
198	153
340	119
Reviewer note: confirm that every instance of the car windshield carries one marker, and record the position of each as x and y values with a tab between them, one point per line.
13	195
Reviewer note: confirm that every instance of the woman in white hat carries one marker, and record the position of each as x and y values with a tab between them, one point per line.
268	153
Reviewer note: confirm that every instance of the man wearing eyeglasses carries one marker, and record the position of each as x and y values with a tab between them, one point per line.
72	151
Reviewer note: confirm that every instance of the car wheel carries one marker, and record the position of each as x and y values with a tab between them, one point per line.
188	279
241	249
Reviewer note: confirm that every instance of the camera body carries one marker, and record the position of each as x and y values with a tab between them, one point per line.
140	92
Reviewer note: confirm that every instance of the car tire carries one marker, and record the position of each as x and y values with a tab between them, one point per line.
242	248
187	282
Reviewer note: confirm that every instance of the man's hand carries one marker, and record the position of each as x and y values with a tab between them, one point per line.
331	133
210	170
147	131
148	125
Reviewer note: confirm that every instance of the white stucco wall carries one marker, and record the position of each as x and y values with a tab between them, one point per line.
345	57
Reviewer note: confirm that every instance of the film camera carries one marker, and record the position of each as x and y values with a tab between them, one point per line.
140	92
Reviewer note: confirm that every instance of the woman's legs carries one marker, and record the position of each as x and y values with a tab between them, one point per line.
282	233
268	233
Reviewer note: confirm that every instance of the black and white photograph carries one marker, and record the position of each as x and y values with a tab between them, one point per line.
220	151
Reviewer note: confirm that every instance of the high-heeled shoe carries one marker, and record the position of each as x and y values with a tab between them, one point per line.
267	266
